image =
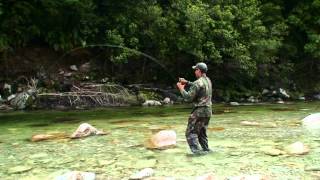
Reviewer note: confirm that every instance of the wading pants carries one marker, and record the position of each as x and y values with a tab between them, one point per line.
197	132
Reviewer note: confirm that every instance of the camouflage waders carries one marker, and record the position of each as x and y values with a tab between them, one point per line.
197	132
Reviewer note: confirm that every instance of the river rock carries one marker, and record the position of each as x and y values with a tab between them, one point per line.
166	100
77	175
206	177
249	177
19	169
5	107
41	137
234	104
312	121
73	68
163	139
265	91
283	93
67	74
252	99
85	130
297	148
317	96
159	178
85	67
249	123
151	103
273	151
147	172
23	99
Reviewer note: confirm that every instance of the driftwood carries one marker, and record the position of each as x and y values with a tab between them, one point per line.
88	95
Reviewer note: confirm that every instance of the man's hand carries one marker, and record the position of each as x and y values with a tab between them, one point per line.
183	81
180	86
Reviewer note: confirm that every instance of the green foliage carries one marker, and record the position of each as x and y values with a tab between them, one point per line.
247	43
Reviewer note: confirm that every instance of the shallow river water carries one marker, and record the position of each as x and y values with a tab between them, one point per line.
237	149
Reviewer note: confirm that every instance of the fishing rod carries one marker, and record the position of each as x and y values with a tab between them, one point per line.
120	47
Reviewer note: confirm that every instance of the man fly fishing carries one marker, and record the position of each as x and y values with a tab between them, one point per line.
200	93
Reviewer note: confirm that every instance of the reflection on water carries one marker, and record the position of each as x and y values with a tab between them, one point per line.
238	149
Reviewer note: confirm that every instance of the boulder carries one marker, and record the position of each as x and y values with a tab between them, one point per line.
317	96
85	67
73	68
234	104
283	93
24	99
163	139
312	121
7	88
297	148
252	99
166	100
85	130
147	172
151	103
265	91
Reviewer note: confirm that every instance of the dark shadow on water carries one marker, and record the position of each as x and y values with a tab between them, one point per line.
124	121
223	111
284	109
65	120
39	125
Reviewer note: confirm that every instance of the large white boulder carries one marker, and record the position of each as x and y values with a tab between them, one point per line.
312	121
163	139
85	130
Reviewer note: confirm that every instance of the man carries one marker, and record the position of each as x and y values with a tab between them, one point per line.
200	93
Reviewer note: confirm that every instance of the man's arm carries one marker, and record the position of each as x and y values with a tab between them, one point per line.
184	81
188	95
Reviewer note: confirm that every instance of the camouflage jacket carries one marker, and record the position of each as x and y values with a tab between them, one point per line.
200	93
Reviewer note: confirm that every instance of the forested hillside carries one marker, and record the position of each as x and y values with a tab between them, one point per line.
248	45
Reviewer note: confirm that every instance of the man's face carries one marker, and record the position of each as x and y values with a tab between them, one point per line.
197	73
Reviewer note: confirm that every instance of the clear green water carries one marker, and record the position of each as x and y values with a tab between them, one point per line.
239	149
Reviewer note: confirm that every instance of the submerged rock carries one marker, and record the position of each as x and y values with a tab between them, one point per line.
85	130
147	172
297	148
19	169
249	177
77	175
43	137
206	177
159	178
249	123
273	151
163	139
